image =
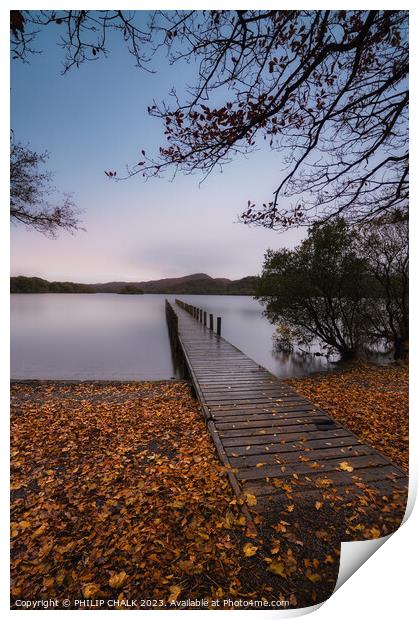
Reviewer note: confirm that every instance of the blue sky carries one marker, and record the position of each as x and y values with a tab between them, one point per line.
95	118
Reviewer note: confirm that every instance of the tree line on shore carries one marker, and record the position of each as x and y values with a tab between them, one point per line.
194	284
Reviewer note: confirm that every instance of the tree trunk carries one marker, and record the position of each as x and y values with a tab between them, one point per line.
347	355
401	349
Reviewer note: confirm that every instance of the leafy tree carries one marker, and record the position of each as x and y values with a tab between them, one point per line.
345	286
33	199
329	88
317	288
386	309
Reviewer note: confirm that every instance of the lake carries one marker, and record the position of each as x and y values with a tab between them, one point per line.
109	336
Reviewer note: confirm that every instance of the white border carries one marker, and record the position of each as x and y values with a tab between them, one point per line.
386	586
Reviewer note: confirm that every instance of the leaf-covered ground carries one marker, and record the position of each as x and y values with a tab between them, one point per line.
370	400
117	493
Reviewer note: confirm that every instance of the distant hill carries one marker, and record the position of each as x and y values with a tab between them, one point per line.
194	284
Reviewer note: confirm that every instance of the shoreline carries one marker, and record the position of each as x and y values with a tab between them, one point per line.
92	381
337	369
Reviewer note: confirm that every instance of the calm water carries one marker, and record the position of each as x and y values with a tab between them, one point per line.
107	336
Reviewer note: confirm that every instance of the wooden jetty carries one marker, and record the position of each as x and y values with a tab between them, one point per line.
266	434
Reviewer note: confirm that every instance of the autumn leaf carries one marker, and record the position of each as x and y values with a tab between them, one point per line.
90	589
277	568
174	593
117	580
344	466
188	566
318	505
249	550
323	482
250	499
48	582
40	530
15	486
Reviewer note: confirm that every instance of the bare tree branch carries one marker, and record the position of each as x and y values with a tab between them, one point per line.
326	90
33	200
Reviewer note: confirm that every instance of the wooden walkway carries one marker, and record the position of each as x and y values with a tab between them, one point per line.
269	437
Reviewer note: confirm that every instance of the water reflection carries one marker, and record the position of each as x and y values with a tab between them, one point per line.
89	337
107	336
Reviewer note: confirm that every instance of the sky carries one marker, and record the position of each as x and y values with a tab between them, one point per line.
95	118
